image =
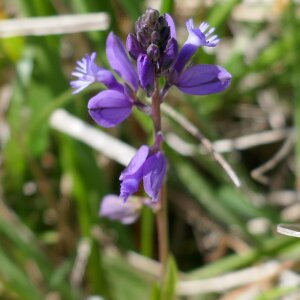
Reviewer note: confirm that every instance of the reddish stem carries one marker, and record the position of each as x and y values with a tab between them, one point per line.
161	214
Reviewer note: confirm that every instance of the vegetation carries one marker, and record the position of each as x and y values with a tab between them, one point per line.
54	245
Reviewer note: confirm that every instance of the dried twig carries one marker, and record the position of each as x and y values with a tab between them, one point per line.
220	283
54	25
111	147
225	282
194	131
83	253
273	162
289	229
228	145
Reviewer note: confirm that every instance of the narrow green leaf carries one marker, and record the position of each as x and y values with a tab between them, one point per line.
126	282
271	248
220	12
155	292
293	27
147	222
77	161
15	280
132	8
166	6
279	293
202	191
170	280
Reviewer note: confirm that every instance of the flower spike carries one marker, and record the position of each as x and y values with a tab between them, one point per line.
151	58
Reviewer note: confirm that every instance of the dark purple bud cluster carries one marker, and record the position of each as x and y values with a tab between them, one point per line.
153	45
152	33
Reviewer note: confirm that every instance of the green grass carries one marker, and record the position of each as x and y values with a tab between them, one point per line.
51	184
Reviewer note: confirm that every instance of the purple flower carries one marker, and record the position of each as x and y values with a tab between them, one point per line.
110	107
119	61
155	49
153	45
146	73
200	79
114	208
198	37
87	72
147	166
203	80
202	36
133	46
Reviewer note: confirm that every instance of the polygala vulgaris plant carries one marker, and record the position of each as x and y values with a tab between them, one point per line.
151	54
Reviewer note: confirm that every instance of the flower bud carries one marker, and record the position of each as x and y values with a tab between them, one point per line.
112	207
147	166
153	52
151	28
133	46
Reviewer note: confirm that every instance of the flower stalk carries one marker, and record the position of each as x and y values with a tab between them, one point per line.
152	53
161	213
163	230
156	116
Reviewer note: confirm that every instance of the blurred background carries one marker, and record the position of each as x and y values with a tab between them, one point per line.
53	244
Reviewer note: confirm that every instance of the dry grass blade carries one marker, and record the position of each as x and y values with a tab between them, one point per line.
247	276
113	148
229	145
283	152
289	230
194	131
54	25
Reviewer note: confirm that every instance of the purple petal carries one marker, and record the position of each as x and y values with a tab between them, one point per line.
136	162
133	46
201	36
211	40
107	78
203	80
185	54
130	185
114	208
119	60
198	37
109	108
171	24
170	54
85	72
154	172
146	73
132	175
88	72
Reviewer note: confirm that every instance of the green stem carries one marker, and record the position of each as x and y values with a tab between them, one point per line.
147	232
167	6
295	59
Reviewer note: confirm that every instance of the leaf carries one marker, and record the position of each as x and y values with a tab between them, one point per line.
15	280
167	6
170	280
155	292
132	8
